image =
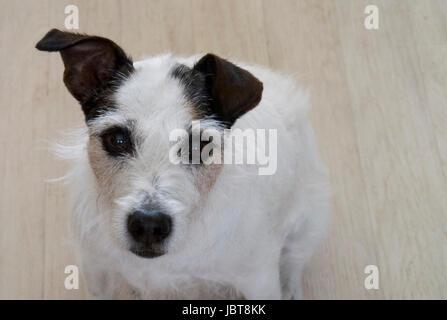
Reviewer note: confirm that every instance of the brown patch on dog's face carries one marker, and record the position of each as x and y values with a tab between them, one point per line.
105	168
109	150
207	170
98	159
206	177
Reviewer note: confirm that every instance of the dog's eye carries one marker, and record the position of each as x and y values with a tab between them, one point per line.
196	148
117	142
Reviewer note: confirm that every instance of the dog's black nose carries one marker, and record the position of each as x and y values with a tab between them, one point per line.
148	228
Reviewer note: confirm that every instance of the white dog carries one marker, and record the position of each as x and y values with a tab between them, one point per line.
157	229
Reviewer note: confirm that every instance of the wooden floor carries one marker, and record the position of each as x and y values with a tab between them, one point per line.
379	111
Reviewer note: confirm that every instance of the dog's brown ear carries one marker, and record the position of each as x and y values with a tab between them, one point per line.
90	62
233	91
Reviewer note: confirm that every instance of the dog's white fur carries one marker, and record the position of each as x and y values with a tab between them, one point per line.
249	236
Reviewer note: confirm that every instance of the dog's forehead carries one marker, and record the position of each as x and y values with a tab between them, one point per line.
151	95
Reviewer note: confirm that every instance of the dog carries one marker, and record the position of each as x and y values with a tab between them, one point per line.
148	228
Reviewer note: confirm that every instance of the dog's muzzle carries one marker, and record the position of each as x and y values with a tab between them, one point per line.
148	229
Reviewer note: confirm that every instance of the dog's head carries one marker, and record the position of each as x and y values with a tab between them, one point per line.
130	111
